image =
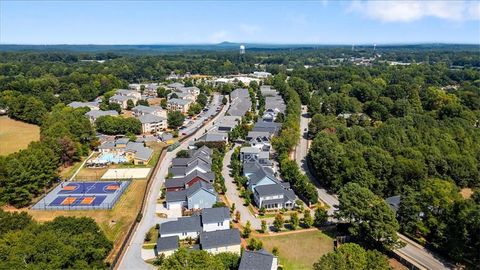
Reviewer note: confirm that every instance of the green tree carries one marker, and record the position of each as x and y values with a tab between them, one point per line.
371	219
294	221
175	119
278	222
264	226
307	218
254	244
247	230
321	217
352	256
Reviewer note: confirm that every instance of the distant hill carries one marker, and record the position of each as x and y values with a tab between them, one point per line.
223	46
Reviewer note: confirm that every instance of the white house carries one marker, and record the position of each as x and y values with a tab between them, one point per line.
140	110
176	104
183	227
221	241
214	219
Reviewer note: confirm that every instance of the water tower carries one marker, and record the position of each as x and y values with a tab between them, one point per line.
242	49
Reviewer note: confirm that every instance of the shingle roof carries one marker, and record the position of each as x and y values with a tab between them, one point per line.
187	161
180	182
176	196
256	260
394	202
200	185
120	98
253	167
167	243
150	118
96	114
250	150
182	170
213	137
183	224
269	190
141	152
146	109
179	101
259	175
215	215
220	238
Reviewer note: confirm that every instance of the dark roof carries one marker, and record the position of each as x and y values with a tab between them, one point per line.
200	185
253	167
220	238
215	215
256	260
180	182
259	175
167	243
268	190
270	127
394	202
187	161
182	170
176	196
183	224
202	151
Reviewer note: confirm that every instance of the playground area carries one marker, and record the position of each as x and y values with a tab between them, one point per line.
83	196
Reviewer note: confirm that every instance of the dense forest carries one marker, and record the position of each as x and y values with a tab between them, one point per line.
64	243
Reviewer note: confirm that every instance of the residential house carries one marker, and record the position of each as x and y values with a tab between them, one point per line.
221	241
138	153
176	104
167	245
252	154
94	105
250	168
270	127
214	219
259	139
174	86
199	195
183	227
175	184
256	260
213	137
261	74
261	177
152	123
140	110
121	100
274	196
227	123
129	93
196	165
94	115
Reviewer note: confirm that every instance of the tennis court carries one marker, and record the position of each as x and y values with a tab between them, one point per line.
83	196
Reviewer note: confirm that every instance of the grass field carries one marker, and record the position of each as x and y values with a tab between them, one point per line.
299	250
16	135
114	222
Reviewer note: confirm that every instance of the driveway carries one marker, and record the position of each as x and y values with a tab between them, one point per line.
233	195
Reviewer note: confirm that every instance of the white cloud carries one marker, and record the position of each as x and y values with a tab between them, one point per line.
219	36
412	10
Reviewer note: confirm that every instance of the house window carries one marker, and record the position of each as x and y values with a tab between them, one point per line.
184	233
220	223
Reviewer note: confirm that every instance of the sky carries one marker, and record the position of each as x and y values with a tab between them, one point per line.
205	22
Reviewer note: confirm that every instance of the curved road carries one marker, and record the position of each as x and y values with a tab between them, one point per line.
132	258
411	252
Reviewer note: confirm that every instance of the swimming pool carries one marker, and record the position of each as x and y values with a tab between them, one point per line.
111	158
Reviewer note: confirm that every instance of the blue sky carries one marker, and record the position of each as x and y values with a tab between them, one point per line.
193	22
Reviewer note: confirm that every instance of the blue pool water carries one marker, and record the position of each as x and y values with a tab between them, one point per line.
110	157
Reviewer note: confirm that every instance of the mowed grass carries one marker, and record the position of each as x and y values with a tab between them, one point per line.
115	222
299	250
16	135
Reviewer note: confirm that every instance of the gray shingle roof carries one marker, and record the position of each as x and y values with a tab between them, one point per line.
269	190
176	162
176	196
270	127
182	170
95	114
215	215
141	152
259	175
167	243
183	224
256	260
180	182
250	150
220	238
146	109
179	101
200	185
120	98
213	137
150	118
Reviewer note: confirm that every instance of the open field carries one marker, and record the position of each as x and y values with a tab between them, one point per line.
299	250
114	222
16	135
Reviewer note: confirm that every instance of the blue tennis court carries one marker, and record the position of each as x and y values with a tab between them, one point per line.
83	196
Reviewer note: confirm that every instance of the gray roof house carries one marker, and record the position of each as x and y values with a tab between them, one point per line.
140	151
214	219
256	260
213	137
142	110
250	168
181	171
93	115
200	195
274	196
202	151
173	184
94	105
270	127
166	245
221	241
185	162
261	177
183	227
150	118
394	202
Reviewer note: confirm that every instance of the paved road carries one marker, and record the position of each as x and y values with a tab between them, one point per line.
233	194
132	258
301	152
216	103
412	251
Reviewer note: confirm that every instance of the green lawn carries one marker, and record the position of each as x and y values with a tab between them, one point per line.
299	250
